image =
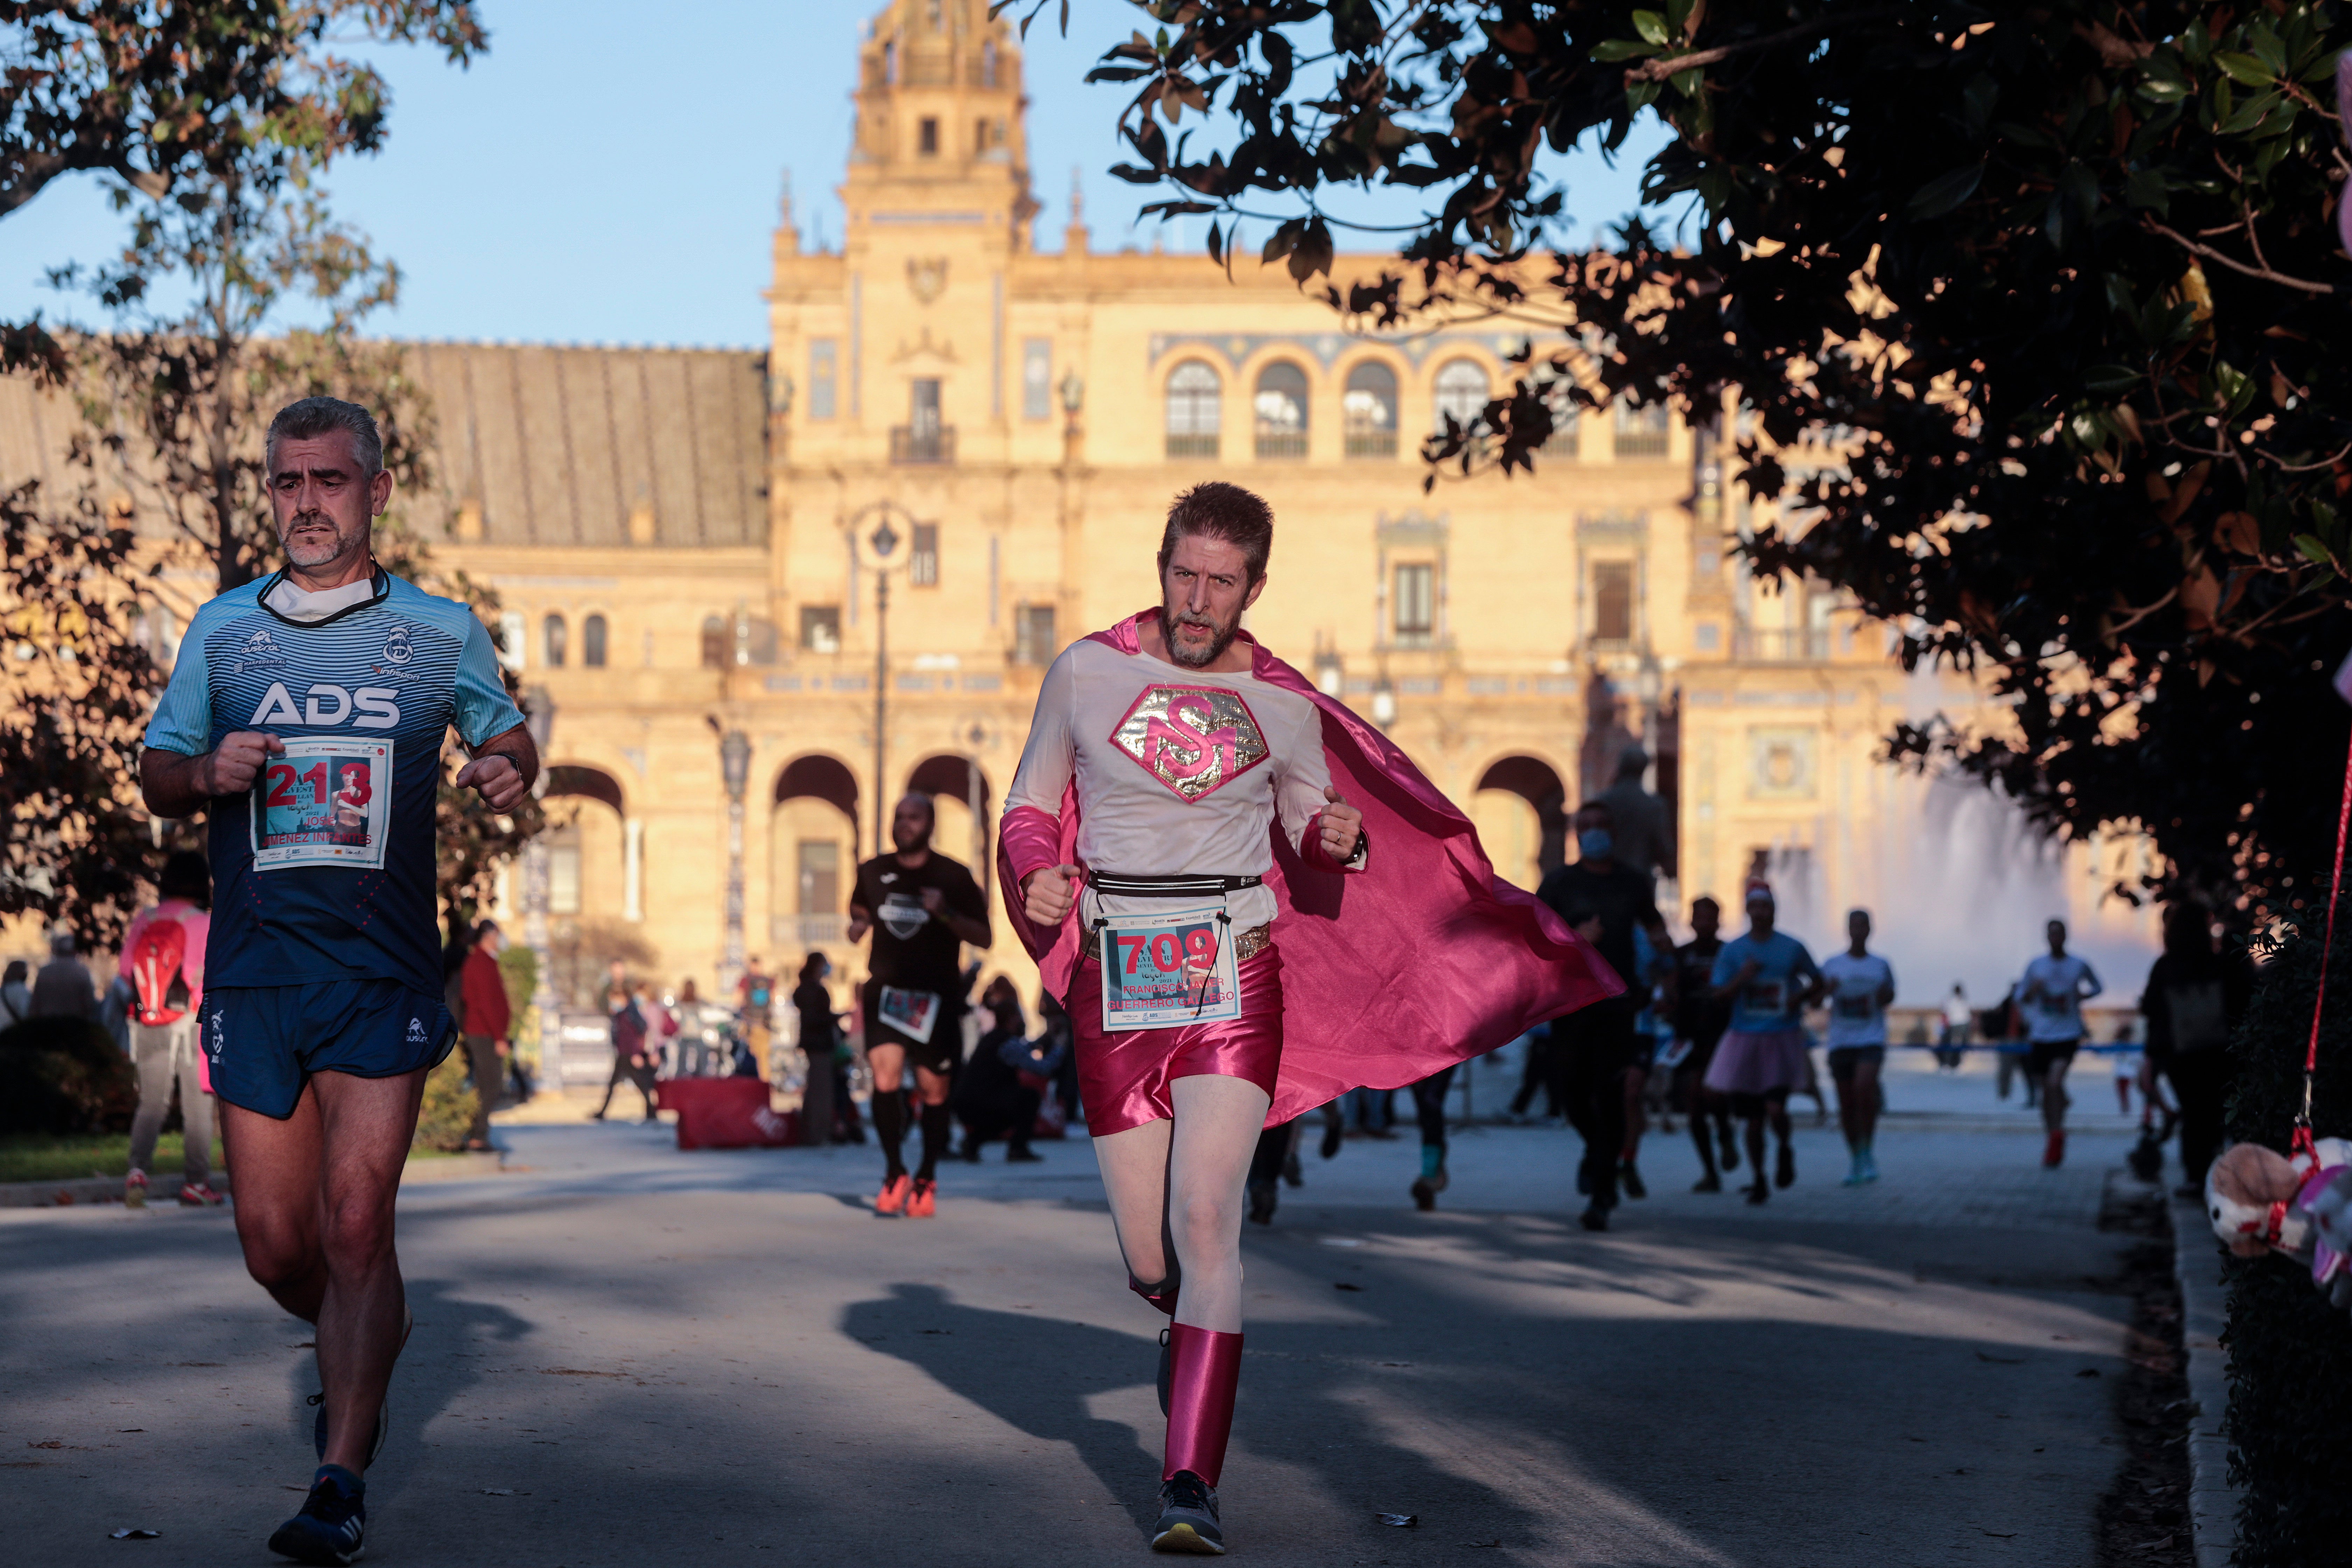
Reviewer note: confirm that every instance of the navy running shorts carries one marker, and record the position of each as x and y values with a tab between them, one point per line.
263	1042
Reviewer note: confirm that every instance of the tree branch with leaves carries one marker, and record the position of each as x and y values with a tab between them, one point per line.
2029	314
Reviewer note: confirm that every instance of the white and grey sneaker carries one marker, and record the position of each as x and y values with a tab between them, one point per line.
1188	1518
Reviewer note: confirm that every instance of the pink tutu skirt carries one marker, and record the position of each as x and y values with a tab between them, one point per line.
1761	1063
1124	1078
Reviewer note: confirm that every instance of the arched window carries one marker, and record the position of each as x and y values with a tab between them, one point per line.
1195	409
1368	411
717	643
1462	394
1278	412
591	642
557	638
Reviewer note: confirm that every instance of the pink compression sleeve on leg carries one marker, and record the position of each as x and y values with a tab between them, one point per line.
1205	1375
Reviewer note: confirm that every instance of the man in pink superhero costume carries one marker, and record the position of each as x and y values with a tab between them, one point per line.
1175	765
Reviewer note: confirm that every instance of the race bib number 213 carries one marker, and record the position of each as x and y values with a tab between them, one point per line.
324	802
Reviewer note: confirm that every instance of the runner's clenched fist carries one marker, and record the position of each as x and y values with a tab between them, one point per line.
1047	895
231	767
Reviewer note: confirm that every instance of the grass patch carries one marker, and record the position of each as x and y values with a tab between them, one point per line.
43	1157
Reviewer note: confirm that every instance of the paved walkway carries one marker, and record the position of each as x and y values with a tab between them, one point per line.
629	1355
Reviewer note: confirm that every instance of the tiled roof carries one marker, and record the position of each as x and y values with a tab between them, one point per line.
562	445
546	444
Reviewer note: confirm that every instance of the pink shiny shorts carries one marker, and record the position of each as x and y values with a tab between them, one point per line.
1124	1078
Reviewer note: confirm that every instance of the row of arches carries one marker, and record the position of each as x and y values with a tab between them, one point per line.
821	825
1370	404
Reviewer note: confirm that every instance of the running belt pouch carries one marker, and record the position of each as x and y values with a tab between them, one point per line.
1205	1373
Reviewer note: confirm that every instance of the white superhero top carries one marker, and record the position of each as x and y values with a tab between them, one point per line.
1178	770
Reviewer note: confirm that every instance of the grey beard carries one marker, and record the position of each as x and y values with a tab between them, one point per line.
1217	646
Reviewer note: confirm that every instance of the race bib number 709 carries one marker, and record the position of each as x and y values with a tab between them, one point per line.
1161	971
324	802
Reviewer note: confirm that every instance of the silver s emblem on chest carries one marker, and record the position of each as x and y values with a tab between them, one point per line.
1194	739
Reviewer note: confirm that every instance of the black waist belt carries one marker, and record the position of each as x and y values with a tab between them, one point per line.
1172	887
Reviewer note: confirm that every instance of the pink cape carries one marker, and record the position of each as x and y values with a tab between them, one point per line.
1424	959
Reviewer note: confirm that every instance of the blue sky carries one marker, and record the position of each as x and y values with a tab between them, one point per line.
599	177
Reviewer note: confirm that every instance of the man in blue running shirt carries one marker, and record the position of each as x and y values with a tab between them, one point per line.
305	718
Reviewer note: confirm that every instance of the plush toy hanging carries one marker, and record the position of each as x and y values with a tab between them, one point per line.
2261	1201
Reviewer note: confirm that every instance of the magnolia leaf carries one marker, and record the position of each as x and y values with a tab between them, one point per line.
1946	192
1652	27
1621	49
2244	67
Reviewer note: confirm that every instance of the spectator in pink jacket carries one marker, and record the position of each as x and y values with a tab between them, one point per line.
163	958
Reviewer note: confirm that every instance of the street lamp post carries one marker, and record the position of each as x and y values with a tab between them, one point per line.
880	552
539	717
735	766
1649	685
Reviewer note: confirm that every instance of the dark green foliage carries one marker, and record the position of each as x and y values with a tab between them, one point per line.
61	1076
2033	312
447	1114
2290	1354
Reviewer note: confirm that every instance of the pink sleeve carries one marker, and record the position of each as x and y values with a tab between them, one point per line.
1032	839
1031	833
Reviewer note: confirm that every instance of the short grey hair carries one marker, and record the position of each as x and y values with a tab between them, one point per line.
314	417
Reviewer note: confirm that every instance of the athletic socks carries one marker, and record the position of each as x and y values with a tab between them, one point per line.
1433	1159
890	1131
936	1132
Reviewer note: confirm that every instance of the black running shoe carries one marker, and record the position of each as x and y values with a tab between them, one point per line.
1631	1180
1594	1217
1188	1518
1264	1197
334	1518
1332	1132
1710	1183
1784	1173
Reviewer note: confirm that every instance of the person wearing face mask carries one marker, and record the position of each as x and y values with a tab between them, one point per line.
1603	900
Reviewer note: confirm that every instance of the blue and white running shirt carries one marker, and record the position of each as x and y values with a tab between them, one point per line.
324	869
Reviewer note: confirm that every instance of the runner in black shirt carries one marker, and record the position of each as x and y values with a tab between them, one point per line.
1594	1049
1700	1018
920	906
